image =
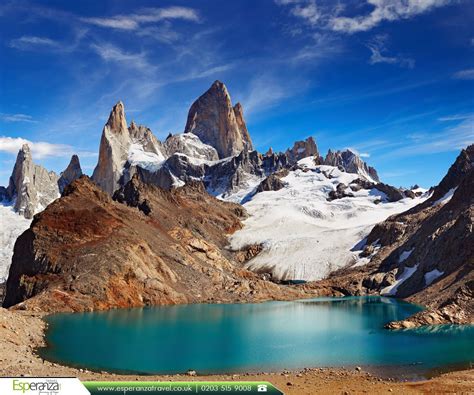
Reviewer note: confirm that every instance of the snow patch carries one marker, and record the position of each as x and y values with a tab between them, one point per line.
13	225
431	276
446	198
405	255
391	290
150	161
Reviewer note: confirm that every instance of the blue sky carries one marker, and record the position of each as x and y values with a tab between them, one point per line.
393	80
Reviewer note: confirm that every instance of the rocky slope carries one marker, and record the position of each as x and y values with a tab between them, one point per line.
30	190
213	119
425	254
151	246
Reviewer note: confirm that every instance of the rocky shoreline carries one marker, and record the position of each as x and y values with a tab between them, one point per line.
22	334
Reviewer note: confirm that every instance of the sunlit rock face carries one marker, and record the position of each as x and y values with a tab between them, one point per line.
217	123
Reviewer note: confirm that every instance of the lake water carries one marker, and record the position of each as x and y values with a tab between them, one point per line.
217	338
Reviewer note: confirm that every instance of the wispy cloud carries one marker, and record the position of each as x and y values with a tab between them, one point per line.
33	42
449	139
467	74
306	10
263	92
17	118
456	117
378	47
39	149
145	16
112	53
384	10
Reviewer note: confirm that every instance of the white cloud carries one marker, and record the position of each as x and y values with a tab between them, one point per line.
33	42
378	46
16	118
467	74
39	149
308	12
147	15
384	10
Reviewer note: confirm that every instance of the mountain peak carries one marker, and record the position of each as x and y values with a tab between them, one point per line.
217	123
72	172
117	121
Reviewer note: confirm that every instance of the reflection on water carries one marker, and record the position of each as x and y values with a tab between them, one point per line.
246	337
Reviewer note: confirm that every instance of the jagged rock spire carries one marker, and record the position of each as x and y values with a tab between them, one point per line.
31	186
213	119
73	172
113	152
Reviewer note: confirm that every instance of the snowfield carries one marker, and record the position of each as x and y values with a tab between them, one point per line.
13	225
304	235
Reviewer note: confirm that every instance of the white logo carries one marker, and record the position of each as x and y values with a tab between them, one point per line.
262	388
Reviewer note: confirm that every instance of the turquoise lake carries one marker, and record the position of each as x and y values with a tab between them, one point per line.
218	338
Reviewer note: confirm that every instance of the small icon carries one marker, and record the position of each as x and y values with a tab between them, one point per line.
262	388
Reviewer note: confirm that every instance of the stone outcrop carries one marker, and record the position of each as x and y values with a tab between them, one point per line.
213	119
113	152
302	149
73	172
393	194
88	252
31	187
273	182
351	163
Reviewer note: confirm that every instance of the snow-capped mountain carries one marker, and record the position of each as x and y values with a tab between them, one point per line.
217	150
306	234
219	154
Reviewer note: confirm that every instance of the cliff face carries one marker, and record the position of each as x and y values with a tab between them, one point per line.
213	119
31	186
151	246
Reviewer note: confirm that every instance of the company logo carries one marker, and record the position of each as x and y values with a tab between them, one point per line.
44	387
